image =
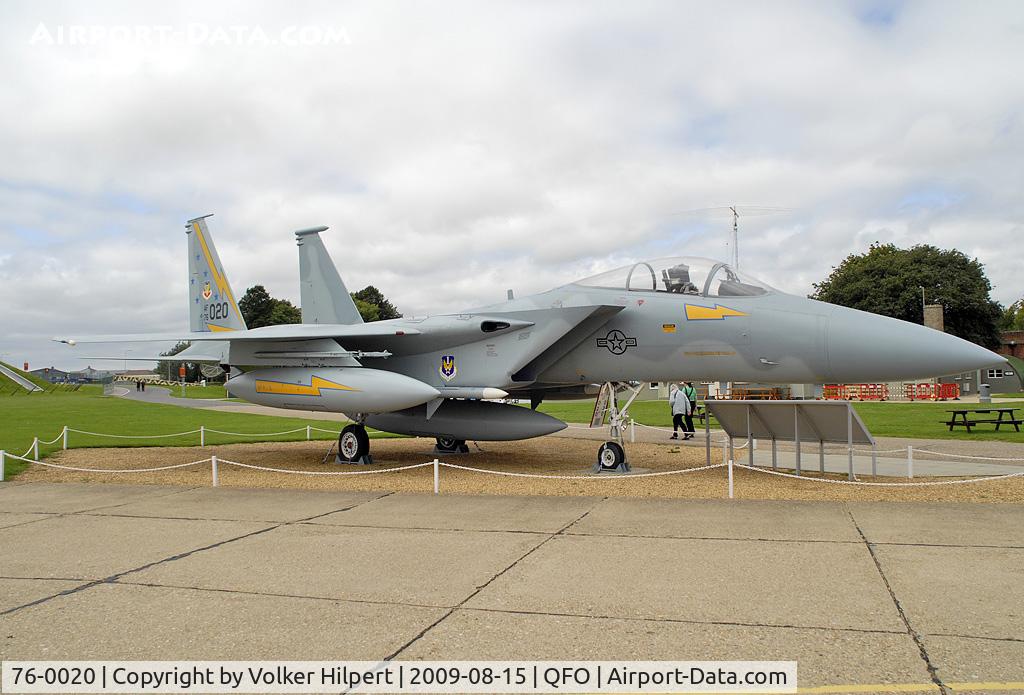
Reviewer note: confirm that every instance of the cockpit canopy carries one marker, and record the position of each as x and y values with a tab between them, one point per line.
700	277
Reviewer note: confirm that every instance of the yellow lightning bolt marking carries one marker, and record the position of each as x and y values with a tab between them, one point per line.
695	312
285	389
222	282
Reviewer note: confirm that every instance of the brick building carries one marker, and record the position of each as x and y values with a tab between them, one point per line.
1011	344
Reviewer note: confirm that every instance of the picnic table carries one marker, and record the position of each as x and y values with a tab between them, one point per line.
1006	417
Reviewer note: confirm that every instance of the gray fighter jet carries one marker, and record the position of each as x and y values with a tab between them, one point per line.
660	320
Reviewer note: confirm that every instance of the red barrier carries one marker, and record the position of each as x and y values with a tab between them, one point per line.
856	392
880	392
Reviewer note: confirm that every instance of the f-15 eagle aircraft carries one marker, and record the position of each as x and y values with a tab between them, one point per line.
660	320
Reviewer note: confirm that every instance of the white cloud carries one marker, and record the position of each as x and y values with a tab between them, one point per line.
458	149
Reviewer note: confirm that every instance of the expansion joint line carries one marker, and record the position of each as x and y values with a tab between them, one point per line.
113	579
475	592
933	672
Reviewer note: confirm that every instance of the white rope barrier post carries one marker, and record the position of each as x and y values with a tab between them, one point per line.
796	436
910	462
775	454
874	459
202	435
213	461
730	479
309	432
849	438
632	431
437	477
65	438
35	448
707	434
750	439
3	464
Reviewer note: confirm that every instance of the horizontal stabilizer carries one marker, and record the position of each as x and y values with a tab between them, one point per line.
293	331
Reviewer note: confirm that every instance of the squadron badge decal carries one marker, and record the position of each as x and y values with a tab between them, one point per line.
207	291
448	370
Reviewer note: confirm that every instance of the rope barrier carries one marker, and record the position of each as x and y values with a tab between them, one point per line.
857	482
109	470
134	436
962	456
257	434
318	429
285	470
580	477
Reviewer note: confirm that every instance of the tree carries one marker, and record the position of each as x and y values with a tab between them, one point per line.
1013	317
256	306
369	312
260	309
887	280
168	369
370	295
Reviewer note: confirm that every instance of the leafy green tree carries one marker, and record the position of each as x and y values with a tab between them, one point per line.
372	296
284	312
260	309
256	306
369	312
1013	317
887	280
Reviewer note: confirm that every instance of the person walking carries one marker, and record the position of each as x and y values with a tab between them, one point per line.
691	398
680	406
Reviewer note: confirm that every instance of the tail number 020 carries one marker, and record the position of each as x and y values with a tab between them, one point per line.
217	310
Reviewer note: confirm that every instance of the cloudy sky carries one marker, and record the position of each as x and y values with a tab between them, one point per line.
459	149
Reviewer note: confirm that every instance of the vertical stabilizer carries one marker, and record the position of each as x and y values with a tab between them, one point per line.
324	297
211	303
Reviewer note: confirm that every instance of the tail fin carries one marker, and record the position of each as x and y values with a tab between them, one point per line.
323	295
211	303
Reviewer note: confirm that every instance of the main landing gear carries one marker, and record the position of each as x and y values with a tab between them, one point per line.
450	445
354	445
611	456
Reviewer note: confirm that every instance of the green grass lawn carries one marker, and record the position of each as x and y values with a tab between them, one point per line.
212	391
914	420
44	415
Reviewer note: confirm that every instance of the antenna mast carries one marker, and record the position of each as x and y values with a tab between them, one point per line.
735	237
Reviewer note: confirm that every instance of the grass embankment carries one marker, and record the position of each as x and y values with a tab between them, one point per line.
11	388
44	415
912	420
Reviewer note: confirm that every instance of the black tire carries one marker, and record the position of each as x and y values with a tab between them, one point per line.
353	443
610	456
451	445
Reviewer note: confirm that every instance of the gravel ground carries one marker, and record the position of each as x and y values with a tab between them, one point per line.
548	455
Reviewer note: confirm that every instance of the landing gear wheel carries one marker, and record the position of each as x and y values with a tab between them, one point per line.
353	444
611	456
451	445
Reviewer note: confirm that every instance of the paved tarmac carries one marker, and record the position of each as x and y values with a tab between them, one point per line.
860	594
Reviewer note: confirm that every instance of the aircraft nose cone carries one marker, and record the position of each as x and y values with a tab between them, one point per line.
865	347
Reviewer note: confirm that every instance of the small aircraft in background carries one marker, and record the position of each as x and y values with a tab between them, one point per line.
660	320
